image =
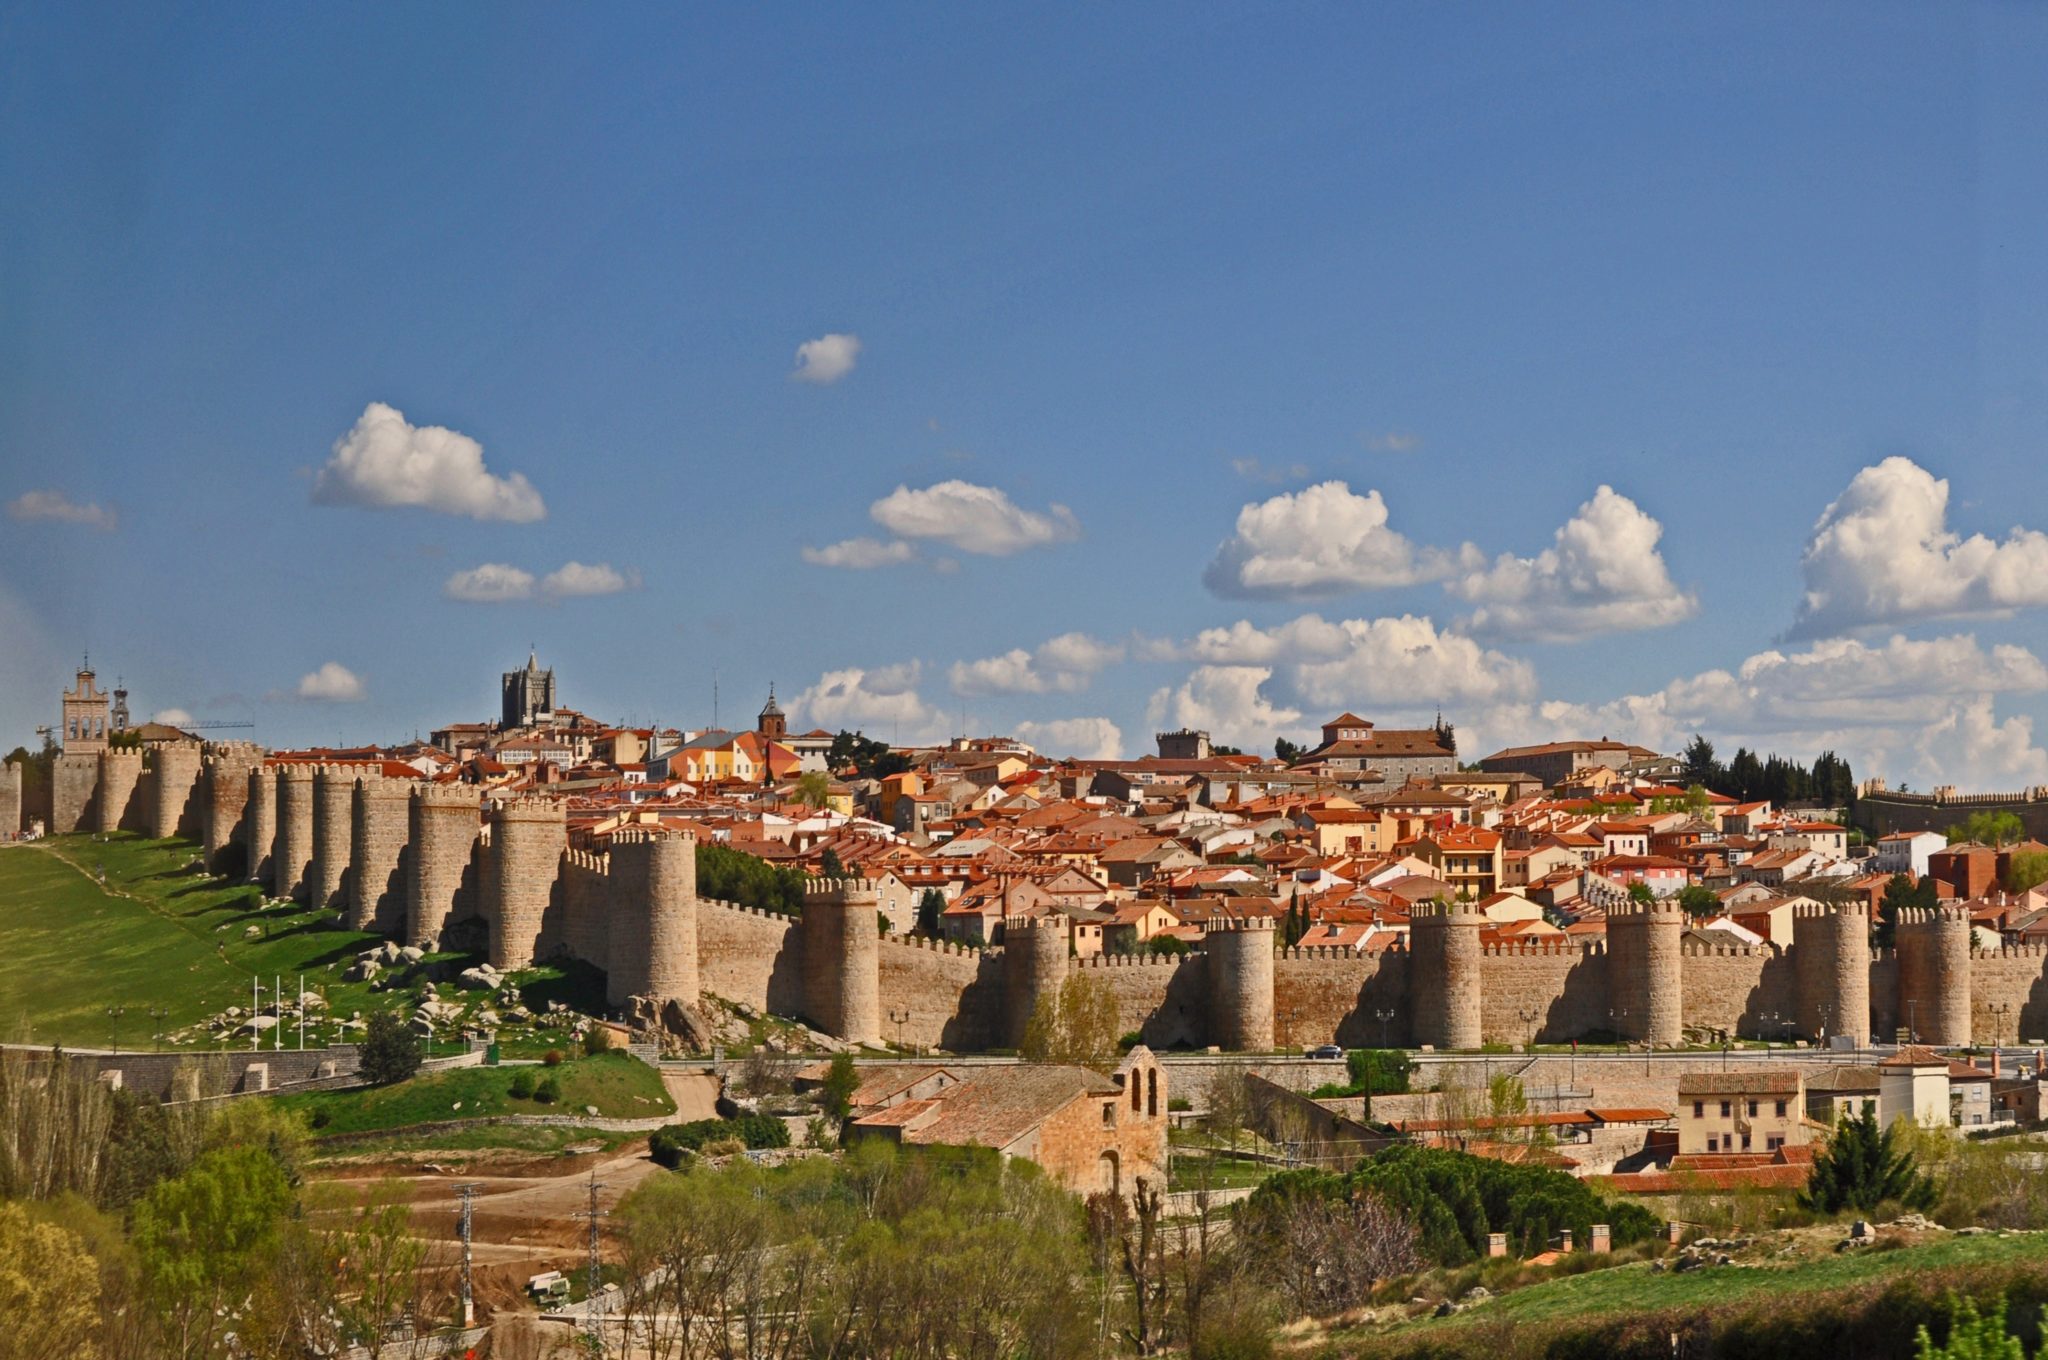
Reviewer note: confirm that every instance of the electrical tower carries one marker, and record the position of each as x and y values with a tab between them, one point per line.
467	1214
594	1301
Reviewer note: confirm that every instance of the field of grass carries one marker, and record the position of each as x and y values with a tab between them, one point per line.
161	935
1536	1316
618	1086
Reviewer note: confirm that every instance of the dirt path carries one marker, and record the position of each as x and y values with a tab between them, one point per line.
695	1094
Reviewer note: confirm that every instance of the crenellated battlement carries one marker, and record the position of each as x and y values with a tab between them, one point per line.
827	890
1918	918
782	917
932	946
1737	949
588	862
1168	962
1297	952
1662	910
1541	946
1241	925
1438	913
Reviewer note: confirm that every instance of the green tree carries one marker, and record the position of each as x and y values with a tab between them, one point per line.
729	875
1699	900
931	905
830	865
1862	1167
1286	752
1989	828
1077	1026
1639	892
841	1081
390	1051
49	1291
814	788
203	1240
1971	1335
1901	892
1700	765
2028	869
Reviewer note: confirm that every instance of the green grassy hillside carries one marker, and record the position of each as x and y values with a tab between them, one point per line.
620	1087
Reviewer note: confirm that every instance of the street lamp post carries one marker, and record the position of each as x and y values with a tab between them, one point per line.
156	1024
899	1016
1385	1013
1998	1014
1615	1019
114	1014
1912	1021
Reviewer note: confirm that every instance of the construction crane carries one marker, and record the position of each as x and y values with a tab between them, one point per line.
211	726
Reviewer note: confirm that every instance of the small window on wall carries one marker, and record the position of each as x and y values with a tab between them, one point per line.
1152	1094
1108	1112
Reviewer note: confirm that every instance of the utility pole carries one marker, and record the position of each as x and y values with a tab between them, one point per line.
467	1213
277	1009
593	1303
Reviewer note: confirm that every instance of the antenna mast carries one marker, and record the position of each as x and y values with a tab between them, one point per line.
594	1300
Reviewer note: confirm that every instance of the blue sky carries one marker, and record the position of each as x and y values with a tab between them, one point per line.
1402	287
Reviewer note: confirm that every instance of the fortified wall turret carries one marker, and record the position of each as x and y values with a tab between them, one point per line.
376	881
292	858
118	801
1034	969
1646	977
444	821
842	958
173	806
1934	973
259	827
528	836
1444	981
653	935
224	791
1831	951
334	794
1240	957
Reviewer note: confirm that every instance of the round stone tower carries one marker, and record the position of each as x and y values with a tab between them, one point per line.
445	821
653	917
171	807
1445	997
225	785
293	855
114	801
1934	973
1240	957
10	800
259	829
1831	948
334	797
528	836
1645	972
842	958
1034	967
377	878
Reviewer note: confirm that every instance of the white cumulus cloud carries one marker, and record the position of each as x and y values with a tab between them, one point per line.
861	554
1908	709
826	359
971	518
882	701
1079	738
502	583
1883	553
1404	659
333	683
172	717
387	462
491	583
1228	703
573	579
1064	665
1603	574
58	508
1322	540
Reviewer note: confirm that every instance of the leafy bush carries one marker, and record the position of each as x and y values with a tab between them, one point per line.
734	876
552	1058
1455	1200
547	1091
597	1039
320	1117
1178	1104
522	1085
841	1081
724	1147
390	1051
1374	1071
670	1144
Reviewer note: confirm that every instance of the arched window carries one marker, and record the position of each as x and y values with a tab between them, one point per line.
1135	1083
1106	1174
1152	1094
